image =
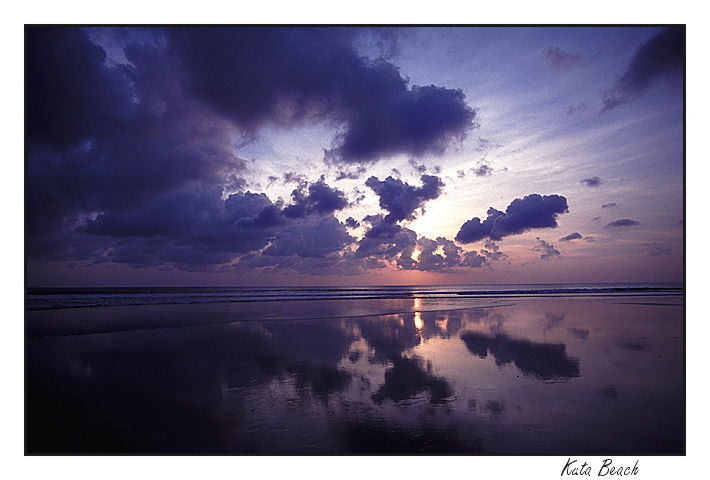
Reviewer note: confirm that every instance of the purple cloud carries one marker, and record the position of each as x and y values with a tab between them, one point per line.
571	236
523	214
546	250
661	57
291	76
624	222
402	200
591	182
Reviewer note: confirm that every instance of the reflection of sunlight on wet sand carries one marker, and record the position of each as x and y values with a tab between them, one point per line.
418	323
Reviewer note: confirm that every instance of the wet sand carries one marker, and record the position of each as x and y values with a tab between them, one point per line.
530	376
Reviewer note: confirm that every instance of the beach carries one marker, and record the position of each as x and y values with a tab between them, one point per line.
556	372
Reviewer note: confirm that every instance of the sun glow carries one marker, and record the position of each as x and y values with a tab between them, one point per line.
415	254
418	323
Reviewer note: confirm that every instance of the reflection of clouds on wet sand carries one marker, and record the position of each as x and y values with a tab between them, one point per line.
541	360
475	380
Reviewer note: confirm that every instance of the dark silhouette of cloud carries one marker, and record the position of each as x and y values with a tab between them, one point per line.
541	360
591	182
402	200
610	205
319	199
291	76
71	96
571	236
660	58
546	250
523	214
310	239
386	239
561	60
130	154
624	222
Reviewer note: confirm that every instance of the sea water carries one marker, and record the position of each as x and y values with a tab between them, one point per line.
562	369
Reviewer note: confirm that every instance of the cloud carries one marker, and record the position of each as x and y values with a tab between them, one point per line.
293	76
591	182
624	222
546	250
610	205
350	222
71	94
571	236
319	199
657	249
523	214
402	200
482	170
316	238
349	174
561	60
493	251
659	58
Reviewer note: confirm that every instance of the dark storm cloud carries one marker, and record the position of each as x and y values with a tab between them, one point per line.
546	250
624	222
523	214
660	58
130	155
126	167
561	60
289	76
571	236
71	95
591	182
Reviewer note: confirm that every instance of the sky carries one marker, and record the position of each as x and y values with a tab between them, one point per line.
353	156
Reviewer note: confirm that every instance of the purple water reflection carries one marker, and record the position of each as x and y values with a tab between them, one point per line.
539	376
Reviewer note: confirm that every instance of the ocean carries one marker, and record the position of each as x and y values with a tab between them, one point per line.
478	370
39	298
